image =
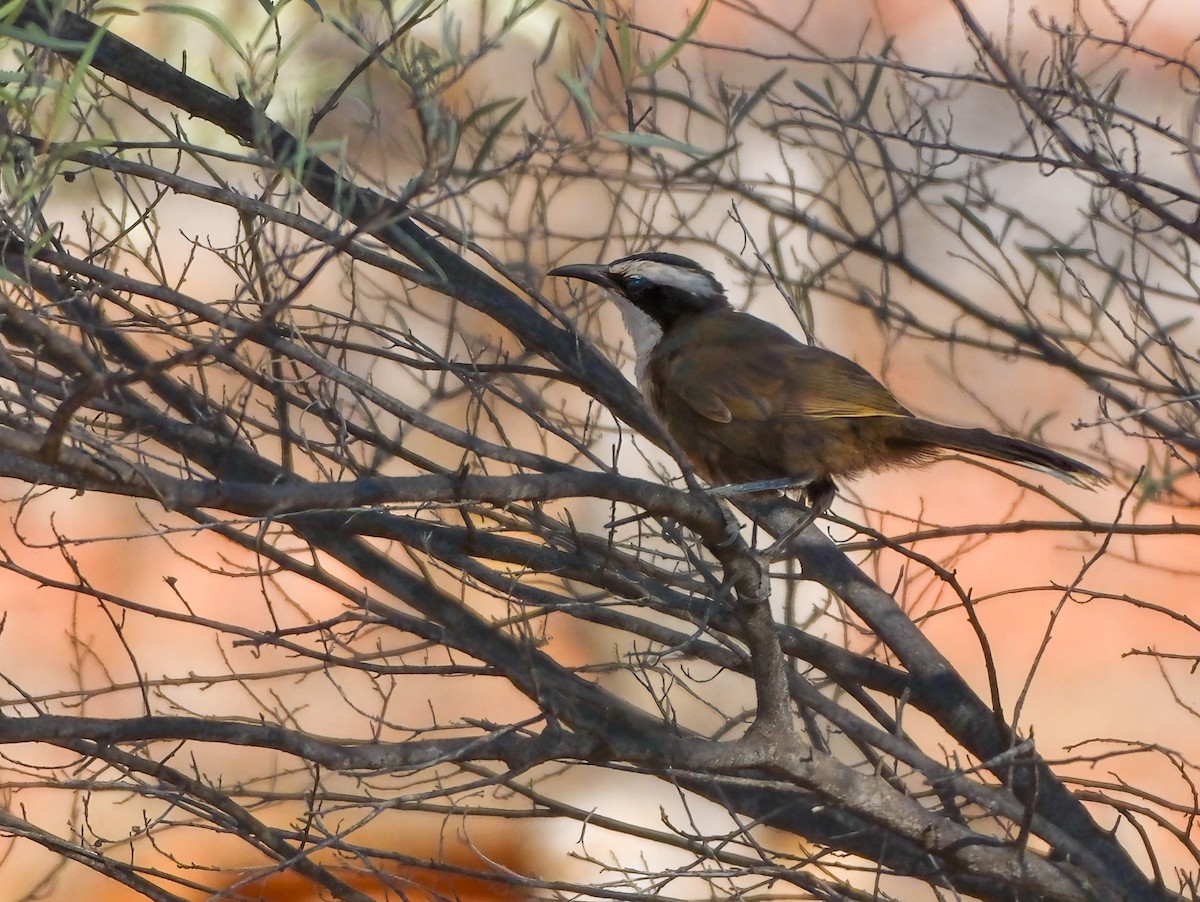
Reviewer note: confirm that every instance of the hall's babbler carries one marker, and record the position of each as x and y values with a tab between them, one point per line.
747	402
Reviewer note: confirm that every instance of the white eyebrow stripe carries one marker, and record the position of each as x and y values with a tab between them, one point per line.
688	280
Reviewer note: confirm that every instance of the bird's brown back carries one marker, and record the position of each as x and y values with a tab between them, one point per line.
747	401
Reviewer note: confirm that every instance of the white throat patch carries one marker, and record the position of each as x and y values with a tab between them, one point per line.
645	333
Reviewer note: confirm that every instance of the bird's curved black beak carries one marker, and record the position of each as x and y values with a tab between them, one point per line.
597	273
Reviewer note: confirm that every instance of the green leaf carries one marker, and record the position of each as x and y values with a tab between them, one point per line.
96	13
486	110
812	95
41	242
966	213
705	162
1064	251
677	97
864	104
62	110
744	107
493	135
658	142
579	94
214	23
1106	112
548	50
679	43
271	7
39	38
624	51
1114	282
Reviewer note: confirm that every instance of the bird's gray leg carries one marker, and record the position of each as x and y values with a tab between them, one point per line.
762	485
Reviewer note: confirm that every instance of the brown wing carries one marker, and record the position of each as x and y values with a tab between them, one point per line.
732	366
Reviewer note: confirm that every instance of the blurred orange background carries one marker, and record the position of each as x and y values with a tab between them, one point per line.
1069	663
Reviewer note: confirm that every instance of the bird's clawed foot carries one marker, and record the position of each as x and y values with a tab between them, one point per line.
819	495
730	490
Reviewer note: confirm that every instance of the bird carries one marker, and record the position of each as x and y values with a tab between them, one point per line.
749	404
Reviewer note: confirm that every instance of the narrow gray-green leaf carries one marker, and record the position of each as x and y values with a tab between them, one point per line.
656	142
746	106
812	95
679	43
969	215
868	95
677	97
705	162
579	94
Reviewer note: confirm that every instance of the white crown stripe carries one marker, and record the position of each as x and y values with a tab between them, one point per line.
692	281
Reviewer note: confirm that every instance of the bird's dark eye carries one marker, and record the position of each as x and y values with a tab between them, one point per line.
636	283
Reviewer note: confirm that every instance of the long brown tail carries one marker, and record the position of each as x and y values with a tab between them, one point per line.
1010	450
